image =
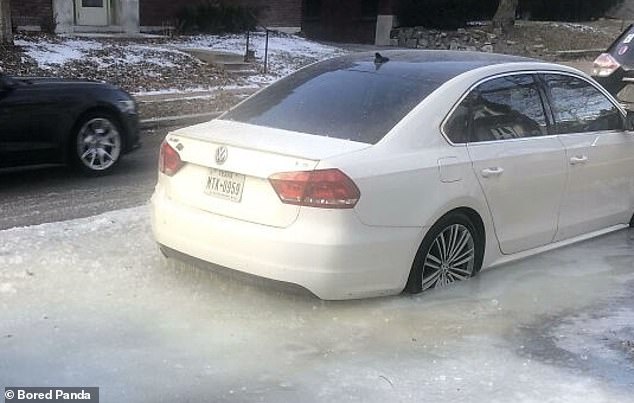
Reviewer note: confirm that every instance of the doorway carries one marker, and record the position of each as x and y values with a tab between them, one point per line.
92	12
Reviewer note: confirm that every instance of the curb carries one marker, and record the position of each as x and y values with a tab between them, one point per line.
578	53
182	120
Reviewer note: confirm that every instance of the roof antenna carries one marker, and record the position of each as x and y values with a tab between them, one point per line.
378	59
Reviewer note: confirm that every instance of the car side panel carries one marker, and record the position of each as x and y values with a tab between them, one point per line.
405	189
525	198
35	125
25	138
600	191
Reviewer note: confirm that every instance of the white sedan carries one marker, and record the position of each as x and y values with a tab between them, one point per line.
368	175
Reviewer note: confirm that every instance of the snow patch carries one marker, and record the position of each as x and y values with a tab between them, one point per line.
48	53
161	58
7	288
287	53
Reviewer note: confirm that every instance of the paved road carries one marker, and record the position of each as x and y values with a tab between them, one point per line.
57	194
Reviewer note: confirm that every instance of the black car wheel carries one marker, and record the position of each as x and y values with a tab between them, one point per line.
451	251
97	144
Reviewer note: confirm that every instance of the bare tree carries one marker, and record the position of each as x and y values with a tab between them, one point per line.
505	15
6	33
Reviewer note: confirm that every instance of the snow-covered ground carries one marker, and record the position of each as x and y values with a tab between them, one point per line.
157	58
49	54
286	52
91	302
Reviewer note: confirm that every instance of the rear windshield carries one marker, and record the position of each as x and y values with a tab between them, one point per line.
623	48
352	100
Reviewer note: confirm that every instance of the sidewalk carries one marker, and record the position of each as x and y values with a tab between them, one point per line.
167	109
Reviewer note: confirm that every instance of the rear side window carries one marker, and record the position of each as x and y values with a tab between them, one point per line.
579	107
500	109
457	127
350	100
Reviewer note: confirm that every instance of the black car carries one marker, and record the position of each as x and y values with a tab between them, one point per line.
89	125
614	69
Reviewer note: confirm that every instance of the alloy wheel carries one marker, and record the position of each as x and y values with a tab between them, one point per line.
450	258
98	144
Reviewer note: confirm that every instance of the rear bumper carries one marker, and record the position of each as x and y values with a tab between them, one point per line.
616	81
328	252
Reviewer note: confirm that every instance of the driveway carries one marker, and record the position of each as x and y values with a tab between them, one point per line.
90	302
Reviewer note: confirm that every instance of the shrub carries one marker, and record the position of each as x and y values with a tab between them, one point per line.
215	17
444	14
566	10
451	14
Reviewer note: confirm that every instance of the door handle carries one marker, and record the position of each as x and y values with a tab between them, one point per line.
490	172
578	159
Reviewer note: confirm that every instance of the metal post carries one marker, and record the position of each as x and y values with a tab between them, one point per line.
246	55
266	53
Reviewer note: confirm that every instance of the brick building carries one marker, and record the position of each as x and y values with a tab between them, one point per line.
66	16
273	13
368	21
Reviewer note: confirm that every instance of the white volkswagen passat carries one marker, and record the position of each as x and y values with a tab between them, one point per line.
362	176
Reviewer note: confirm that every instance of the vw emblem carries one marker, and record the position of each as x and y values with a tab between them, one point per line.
221	155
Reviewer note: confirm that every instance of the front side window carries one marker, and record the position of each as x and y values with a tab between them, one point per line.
500	109
579	107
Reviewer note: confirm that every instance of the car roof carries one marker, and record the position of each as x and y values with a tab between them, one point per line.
430	56
413	63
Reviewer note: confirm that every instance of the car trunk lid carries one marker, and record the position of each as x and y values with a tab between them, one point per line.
227	165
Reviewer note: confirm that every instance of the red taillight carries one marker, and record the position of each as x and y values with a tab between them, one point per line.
605	65
169	160
326	188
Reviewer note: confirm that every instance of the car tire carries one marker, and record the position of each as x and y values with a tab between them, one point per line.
444	256
97	143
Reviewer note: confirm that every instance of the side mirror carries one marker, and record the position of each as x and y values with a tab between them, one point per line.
628	122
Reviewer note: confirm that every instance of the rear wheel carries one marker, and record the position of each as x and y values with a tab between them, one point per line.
97	144
451	251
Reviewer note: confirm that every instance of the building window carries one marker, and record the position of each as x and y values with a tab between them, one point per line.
92	3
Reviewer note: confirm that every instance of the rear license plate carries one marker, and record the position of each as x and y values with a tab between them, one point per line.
225	185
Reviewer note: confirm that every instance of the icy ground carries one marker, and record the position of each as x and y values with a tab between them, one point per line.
90	302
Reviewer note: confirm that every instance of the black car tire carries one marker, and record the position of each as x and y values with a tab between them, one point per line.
96	144
463	225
